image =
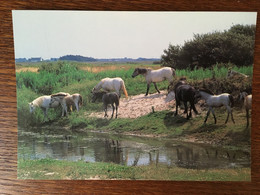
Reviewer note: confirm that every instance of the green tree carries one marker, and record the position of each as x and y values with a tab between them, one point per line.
235	45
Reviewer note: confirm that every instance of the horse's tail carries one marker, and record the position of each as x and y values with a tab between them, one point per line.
124	89
231	100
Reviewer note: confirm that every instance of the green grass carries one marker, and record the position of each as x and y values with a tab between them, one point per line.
56	169
218	72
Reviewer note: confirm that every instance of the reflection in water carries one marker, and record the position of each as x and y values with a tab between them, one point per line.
127	150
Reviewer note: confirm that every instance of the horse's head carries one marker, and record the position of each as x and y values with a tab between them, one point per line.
97	95
242	96
135	73
197	95
94	97
31	107
138	71
92	91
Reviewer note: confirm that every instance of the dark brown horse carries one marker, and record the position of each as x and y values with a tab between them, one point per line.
107	98
185	93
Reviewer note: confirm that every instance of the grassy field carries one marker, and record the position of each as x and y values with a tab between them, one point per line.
56	169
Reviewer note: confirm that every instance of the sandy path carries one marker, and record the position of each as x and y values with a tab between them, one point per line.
139	105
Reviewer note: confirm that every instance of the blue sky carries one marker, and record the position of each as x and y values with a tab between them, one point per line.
110	34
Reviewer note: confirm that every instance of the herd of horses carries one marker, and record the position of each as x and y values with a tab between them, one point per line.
112	87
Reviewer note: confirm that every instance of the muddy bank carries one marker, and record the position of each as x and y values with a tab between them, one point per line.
140	105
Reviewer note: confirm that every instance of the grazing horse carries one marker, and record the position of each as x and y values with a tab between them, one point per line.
185	93
247	104
224	99
43	102
70	102
111	84
60	97
155	76
107	98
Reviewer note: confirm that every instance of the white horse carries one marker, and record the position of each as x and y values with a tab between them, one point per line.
224	99
111	84
247	104
155	76
43	102
67	101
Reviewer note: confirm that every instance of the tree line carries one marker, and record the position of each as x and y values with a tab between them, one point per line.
235	46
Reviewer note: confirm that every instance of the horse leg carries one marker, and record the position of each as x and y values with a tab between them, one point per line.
44	112
113	110
62	112
190	115
64	108
227	118
207	116
177	104
105	109
116	110
232	116
156	87
77	105
215	119
228	109
186	109
148	86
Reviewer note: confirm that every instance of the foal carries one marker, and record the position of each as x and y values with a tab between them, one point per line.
224	99
185	93
107	98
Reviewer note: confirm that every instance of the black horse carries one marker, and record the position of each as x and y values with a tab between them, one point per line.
185	93
107	98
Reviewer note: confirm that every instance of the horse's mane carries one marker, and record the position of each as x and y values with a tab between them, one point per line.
180	82
60	94
100	92
206	91
143	70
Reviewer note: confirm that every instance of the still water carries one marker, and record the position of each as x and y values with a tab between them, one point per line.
125	150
